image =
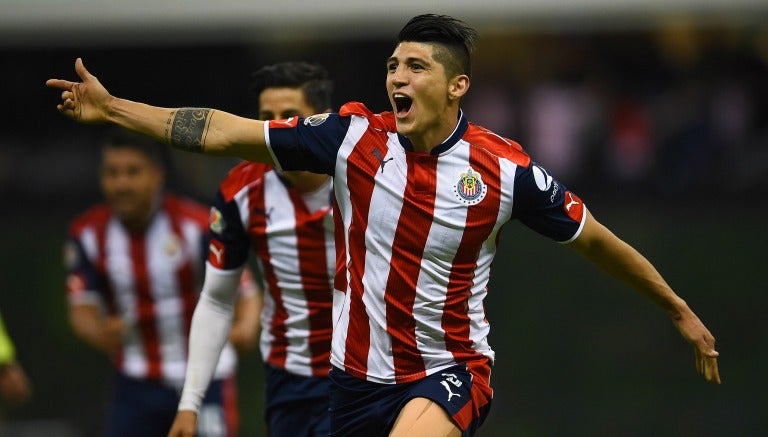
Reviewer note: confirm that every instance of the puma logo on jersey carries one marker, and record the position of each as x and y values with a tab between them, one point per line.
571	201
216	250
267	214
450	379
573	207
381	159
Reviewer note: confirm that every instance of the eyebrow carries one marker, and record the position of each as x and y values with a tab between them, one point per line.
409	60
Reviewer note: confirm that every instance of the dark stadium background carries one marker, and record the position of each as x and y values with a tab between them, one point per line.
682	92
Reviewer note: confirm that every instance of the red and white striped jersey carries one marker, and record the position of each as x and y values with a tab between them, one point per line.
292	236
416	234
151	279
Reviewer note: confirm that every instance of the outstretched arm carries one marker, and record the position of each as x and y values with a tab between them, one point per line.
199	130
620	260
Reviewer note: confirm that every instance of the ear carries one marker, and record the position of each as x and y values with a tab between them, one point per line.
458	86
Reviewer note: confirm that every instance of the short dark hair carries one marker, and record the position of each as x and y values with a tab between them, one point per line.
312	79
116	137
455	38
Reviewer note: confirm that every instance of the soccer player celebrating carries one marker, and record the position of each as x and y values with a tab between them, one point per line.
135	267
420	196
287	217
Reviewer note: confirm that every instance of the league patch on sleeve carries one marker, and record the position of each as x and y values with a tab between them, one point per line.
316	120
573	206
70	255
216	221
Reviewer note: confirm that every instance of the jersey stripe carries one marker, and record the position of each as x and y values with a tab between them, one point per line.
108	294
408	249
185	278
145	310
310	234
358	331
278	343
479	225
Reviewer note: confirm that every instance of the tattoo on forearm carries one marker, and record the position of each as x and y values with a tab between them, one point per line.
186	128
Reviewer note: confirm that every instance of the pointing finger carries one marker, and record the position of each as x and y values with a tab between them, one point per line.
59	83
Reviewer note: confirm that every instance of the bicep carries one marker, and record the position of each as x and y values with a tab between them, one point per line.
232	135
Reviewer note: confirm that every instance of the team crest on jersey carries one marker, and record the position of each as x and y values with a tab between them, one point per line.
216	221
470	188
316	120
172	246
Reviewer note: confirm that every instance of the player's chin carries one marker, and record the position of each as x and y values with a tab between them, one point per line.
404	126
126	210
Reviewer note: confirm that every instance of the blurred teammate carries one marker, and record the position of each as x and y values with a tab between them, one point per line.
286	217
135	266
15	388
420	197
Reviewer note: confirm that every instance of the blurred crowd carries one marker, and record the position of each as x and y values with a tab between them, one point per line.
679	112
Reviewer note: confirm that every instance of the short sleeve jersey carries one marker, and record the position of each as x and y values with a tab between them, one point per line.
292	236
416	234
151	279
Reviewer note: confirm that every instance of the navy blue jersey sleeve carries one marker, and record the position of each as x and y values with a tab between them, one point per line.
82	275
545	205
228	240
308	143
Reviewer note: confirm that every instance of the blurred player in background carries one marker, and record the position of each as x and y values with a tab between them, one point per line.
287	218
15	388
421	195
135	267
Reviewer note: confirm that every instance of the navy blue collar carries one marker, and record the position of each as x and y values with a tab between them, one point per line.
458	133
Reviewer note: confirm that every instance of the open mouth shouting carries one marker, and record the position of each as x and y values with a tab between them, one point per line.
402	104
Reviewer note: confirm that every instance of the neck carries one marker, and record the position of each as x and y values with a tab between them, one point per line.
443	128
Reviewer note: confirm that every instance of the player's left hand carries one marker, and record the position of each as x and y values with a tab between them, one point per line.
694	331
